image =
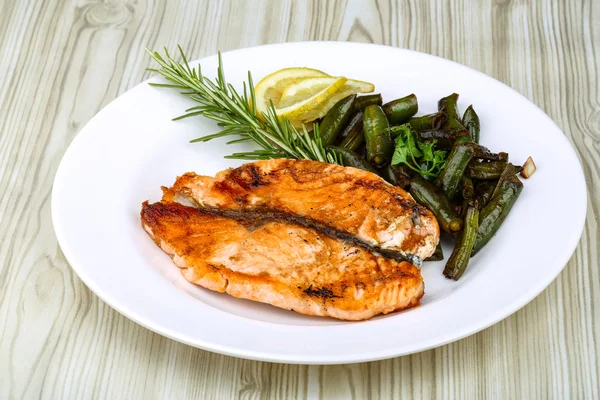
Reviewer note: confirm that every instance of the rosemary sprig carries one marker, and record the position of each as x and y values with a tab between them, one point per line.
236	114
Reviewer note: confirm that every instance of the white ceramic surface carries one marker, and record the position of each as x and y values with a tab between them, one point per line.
131	148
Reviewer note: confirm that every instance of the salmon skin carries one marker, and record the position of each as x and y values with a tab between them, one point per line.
280	262
348	203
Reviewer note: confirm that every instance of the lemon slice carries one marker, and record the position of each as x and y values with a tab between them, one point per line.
271	87
307	87
301	109
352	87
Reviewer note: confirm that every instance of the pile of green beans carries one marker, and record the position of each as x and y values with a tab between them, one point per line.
475	190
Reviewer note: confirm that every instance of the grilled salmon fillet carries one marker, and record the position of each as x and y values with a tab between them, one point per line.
282	263
350	203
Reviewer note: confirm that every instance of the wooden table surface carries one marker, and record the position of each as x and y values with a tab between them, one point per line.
61	62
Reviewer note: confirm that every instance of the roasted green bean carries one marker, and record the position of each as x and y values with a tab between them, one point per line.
397	175
457	162
401	110
336	119
380	146
495	212
427	122
485	170
448	105
485	153
443	139
352	159
483	192
352	137
459	259
426	194
453	124
471	121
467	189
363	102
509	174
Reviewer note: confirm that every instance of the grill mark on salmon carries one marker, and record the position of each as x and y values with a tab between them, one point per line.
346	203
281	263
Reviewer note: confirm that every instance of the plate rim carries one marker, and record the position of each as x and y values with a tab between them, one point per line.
500	314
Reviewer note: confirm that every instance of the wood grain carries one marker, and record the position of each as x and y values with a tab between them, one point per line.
61	62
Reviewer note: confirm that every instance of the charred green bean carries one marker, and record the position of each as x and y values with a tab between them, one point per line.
509	174
471	121
485	153
459	259
352	137
453	124
401	110
483	192
352	159
427	122
380	146
363	102
467	189
397	175
426	194
456	164
336	119
449	105
495	212
485	170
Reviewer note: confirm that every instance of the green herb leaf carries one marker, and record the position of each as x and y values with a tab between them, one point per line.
427	150
400	155
420	156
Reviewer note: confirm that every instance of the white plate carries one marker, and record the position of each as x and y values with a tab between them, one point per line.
131	148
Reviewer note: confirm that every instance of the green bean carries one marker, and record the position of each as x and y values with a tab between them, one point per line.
462	137
427	122
509	174
448	105
352	137
397	175
485	153
467	189
462	209
453	124
336	119
399	111
438	135
426	194
351	159
459	259
362	102
483	192
485	170
495	212
471	121
457	162
437	255
380	146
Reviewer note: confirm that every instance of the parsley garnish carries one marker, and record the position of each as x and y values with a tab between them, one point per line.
420	156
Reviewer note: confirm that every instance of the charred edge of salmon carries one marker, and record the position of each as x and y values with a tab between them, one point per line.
256	218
